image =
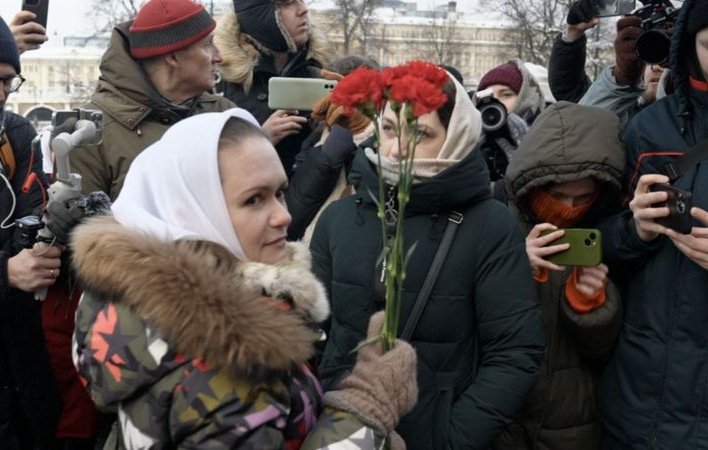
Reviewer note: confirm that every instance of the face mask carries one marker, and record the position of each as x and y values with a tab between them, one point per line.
549	209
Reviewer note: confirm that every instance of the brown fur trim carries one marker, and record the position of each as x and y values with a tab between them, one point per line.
241	57
203	301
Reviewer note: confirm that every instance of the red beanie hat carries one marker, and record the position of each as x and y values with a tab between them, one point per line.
164	26
507	74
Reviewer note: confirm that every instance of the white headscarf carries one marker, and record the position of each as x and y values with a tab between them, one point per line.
173	189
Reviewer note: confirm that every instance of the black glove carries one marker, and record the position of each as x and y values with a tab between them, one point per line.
581	11
338	146
62	215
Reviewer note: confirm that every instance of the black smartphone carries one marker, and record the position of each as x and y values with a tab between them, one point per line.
609	8
40	9
680	203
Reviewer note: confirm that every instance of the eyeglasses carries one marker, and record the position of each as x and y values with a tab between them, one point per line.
12	83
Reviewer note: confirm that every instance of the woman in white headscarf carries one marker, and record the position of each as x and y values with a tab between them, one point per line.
196	322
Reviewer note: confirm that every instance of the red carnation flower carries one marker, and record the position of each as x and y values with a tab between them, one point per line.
421	95
362	89
428	71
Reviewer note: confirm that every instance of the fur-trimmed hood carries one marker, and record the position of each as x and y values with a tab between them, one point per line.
241	57
201	300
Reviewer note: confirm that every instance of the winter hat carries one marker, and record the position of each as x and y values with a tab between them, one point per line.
8	48
260	21
507	74
164	26
698	19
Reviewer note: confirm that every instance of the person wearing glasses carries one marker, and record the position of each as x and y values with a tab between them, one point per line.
29	397
265	39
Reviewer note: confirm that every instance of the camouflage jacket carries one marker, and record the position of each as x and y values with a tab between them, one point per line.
192	349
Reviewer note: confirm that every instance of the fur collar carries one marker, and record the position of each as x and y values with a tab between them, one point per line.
203	301
240	57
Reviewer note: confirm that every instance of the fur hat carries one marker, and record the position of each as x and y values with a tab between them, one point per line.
698	19
8	48
164	26
507	74
259	20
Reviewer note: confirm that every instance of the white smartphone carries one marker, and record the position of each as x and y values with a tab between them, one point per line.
297	93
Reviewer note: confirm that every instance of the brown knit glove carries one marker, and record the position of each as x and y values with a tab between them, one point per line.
381	387
628	67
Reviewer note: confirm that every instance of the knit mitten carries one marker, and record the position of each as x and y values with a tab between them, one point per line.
381	387
628	67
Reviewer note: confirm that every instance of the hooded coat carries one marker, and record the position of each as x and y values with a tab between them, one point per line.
134	116
530	101
567	143
479	340
653	391
246	70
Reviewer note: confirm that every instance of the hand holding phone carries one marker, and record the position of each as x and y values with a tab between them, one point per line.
28	34
679	202
40	9
584	247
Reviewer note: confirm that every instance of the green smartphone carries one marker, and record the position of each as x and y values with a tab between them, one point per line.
297	93
585	247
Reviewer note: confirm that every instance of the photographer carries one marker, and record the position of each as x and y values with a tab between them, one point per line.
29	400
652	390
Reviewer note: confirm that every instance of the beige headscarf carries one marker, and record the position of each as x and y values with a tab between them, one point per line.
463	132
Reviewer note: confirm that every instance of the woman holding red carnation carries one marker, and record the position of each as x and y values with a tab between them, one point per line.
479	339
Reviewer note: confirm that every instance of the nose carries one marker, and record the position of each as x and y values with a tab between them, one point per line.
391	149
280	217
216	56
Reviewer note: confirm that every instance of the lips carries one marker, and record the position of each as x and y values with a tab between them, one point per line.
279	241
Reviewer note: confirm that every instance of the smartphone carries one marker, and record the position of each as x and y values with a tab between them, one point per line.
297	93
608	8
94	115
679	202
39	8
585	247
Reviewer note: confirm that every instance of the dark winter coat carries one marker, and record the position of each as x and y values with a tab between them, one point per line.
479	341
246	71
653	392
135	115
566	69
28	394
567	143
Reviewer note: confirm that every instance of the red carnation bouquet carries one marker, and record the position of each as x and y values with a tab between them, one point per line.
412	90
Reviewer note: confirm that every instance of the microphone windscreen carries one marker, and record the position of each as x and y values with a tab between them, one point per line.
95	203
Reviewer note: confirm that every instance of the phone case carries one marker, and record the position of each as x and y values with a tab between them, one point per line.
297	93
39	8
585	247
609	8
679	202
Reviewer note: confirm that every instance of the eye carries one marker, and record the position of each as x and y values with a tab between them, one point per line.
253	200
280	194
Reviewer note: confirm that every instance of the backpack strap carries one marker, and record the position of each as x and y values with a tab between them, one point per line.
7	156
689	159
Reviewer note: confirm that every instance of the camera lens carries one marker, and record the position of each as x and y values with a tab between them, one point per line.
653	46
588	242
593	236
493	116
680	207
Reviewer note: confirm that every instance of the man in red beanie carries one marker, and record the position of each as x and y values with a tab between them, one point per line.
516	88
157	70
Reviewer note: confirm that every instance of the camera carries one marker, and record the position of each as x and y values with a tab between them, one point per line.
26	230
65	121
494	113
658	17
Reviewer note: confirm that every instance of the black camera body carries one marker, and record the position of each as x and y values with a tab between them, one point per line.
26	229
658	17
494	113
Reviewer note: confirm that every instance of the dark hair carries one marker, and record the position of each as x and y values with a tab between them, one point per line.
347	64
445	111
236	130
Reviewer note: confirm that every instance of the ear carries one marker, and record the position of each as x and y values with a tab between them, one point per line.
172	59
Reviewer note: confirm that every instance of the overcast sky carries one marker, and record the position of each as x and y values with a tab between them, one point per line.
68	17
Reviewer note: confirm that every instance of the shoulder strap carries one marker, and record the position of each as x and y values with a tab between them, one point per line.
692	157
7	156
453	220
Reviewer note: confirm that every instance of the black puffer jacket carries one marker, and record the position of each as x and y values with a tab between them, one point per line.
567	143
479	340
654	392
28	392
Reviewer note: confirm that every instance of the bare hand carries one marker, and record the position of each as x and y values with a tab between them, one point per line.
283	123
574	32
644	214
694	245
591	280
34	268
28	35
537	247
